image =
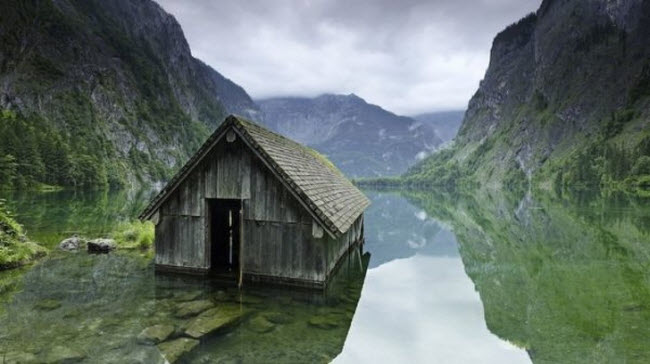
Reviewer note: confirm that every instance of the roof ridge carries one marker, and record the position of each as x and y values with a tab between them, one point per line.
322	189
283	173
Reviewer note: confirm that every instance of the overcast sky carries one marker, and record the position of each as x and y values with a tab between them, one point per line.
408	56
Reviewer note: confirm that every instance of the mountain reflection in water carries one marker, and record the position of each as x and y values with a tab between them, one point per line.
490	278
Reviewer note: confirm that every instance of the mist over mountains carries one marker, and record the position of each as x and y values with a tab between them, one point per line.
363	140
444	123
107	93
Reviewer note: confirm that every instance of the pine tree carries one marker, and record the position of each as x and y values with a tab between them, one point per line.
8	168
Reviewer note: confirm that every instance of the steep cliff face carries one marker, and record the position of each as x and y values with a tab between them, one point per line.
571	78
363	140
108	87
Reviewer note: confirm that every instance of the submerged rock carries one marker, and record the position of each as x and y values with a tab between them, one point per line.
222	317
139	355
18	357
188	296
324	321
47	305
62	354
192	308
101	245
278	317
245	299
73	243
175	349
261	325
155	334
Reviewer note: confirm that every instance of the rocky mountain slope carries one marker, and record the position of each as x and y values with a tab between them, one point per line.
444	123
565	102
96	93
363	140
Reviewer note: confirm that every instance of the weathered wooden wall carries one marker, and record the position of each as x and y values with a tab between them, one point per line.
278	232
183	230
278	238
336	248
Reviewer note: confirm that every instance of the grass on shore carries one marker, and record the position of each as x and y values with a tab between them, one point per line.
134	235
15	249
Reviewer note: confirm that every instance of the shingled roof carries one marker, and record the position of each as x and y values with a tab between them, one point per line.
321	187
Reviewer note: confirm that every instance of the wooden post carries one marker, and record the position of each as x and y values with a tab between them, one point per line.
241	245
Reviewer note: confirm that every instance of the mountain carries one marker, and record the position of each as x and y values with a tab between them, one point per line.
565	102
363	140
102	92
444	123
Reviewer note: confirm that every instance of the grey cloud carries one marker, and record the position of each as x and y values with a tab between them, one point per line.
408	56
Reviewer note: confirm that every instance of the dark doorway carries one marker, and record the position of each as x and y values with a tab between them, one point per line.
224	234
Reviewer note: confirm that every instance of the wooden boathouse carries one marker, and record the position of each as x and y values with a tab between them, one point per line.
255	206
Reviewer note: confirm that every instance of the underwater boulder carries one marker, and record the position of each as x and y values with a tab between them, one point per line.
324	321
261	325
18	357
47	304
218	318
175	349
62	354
192	308
155	334
278	317
188	296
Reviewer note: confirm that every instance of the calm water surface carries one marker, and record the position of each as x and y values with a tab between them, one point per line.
489	278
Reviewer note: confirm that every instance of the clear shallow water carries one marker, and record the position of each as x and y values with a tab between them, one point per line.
489	278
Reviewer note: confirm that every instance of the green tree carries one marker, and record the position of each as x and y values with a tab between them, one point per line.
8	168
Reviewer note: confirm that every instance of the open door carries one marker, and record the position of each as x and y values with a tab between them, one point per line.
224	235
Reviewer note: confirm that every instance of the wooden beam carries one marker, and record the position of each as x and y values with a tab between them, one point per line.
241	246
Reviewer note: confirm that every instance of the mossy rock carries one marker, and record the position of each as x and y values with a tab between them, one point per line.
18	358
261	325
175	349
278	317
245	299
162	294
192	308
188	296
324	321
63	354
47	305
155	334
218	318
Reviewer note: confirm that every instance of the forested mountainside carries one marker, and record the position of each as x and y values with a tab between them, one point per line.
102	92
565	102
444	123
363	140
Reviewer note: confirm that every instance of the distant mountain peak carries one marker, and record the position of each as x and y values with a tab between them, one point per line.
362	139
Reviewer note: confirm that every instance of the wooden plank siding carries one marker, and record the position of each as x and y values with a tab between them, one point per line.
183	230
278	234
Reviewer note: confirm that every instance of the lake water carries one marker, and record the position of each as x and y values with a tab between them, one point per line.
482	278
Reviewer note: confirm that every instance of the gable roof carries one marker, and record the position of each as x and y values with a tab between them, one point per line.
330	197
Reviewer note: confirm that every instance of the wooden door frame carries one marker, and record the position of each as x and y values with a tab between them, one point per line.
208	207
